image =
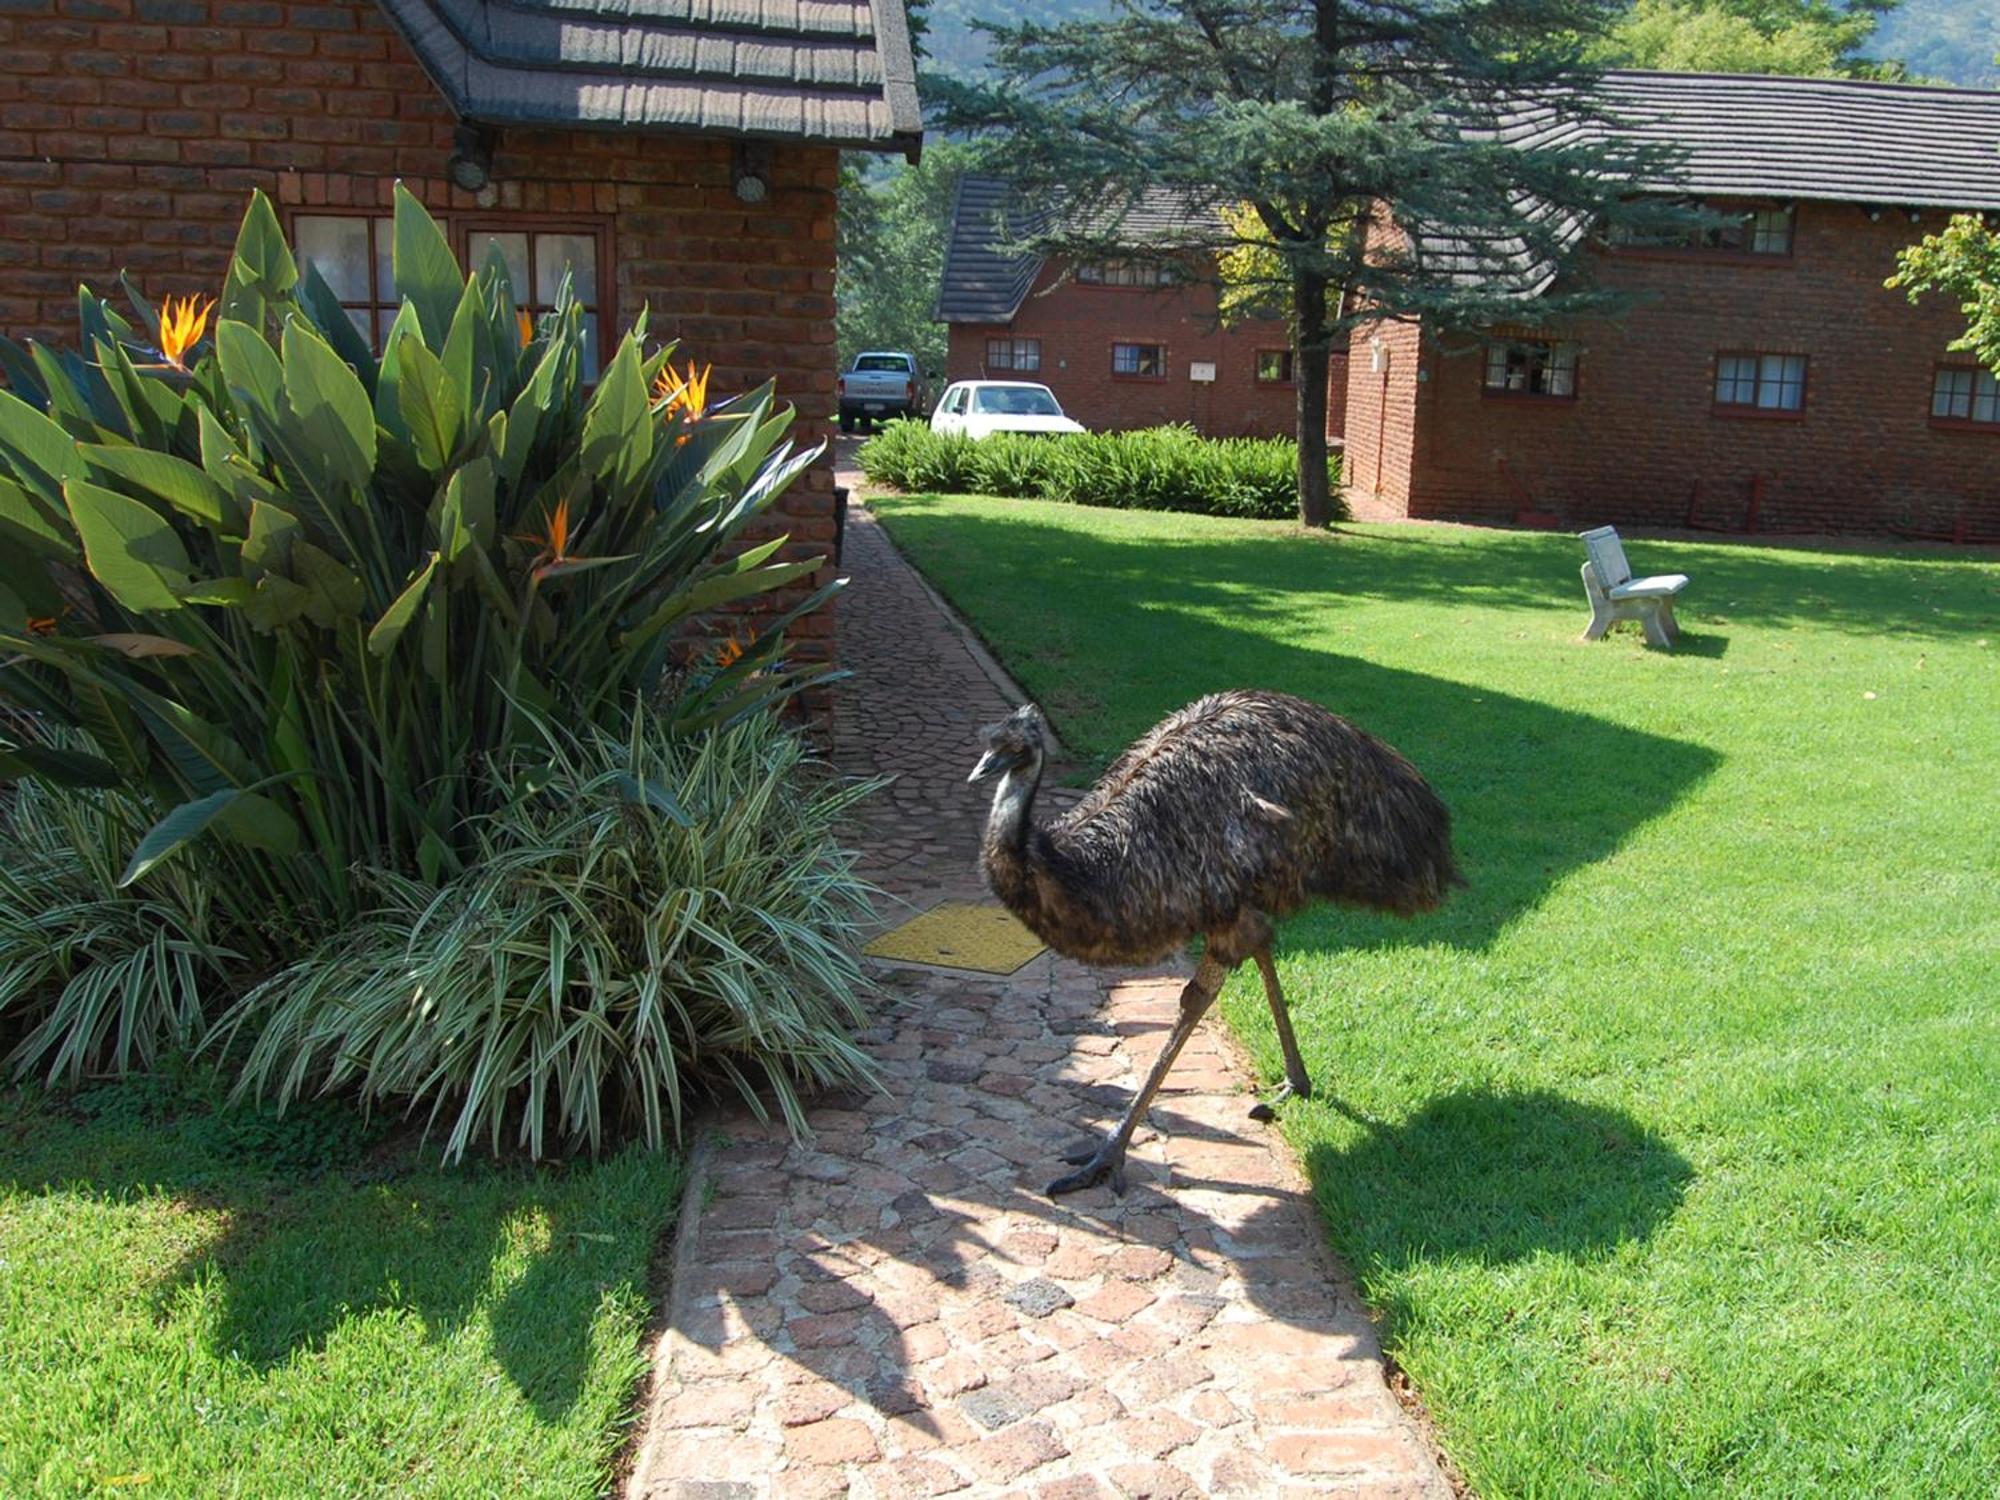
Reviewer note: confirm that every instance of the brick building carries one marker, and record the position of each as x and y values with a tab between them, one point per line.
1122	343
1762	377
687	164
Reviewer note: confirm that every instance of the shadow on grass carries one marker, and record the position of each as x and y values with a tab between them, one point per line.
1924	591
1495	1177
325	1222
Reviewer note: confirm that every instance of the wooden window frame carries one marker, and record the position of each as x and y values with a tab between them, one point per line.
1721	255
1166	362
1961	424
1750	411
1169	278
1013	367
1533	398
459	230
1289	378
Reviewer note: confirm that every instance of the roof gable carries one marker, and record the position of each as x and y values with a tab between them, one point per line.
829	72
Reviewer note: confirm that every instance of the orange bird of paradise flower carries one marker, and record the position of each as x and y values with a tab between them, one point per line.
731	651
554	543
687	394
527	327
181	328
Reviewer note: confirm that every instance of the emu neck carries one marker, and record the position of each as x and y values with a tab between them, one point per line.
1008	823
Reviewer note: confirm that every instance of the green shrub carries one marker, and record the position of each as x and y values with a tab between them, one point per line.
299	597
1158	468
655	910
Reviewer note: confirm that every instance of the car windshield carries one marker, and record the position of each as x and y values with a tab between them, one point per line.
1015	401
883	362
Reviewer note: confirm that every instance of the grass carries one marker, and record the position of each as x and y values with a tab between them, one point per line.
199	1301
1666	1152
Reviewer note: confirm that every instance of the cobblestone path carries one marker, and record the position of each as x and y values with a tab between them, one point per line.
897	1310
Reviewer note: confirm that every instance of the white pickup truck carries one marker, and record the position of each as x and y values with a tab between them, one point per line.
878	386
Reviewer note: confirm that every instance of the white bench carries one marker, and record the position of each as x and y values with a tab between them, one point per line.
1615	594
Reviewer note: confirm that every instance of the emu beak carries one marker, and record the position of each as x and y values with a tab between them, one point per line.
989	765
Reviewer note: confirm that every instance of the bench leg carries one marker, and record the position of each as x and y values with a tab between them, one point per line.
1656	628
1667	619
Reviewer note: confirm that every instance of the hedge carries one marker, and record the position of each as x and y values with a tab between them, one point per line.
1159	468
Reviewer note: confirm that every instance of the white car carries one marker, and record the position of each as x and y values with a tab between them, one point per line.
979	407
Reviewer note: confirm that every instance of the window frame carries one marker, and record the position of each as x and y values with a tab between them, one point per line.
1489	392
1165	277
460	228
1014	343
1751	411
1743	255
1166	363
1966	423
1291	368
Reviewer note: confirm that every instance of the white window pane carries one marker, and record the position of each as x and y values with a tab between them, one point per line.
590	348
1951	396
514	250
385	319
1986	399
337	247
385	260
577	253
361	318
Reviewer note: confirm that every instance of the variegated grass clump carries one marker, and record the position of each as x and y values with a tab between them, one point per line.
648	916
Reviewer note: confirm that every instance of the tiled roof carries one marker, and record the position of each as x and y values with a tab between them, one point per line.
981	284
1823	138
831	72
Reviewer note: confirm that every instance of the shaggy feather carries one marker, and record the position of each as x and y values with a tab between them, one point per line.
1241	807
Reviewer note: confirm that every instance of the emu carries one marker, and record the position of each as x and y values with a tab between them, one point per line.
1241	807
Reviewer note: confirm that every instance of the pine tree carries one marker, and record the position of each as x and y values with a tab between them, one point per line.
1312	126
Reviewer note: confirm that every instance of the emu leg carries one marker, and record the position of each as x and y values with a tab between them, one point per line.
1297	1084
1108	1160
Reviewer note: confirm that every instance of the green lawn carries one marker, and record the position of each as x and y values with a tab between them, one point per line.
1670	1150
196	1302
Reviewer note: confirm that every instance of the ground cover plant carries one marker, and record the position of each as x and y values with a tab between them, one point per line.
1663	1151
285	627
205	1301
1156	468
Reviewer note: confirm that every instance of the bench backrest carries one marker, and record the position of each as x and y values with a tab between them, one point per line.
1607	555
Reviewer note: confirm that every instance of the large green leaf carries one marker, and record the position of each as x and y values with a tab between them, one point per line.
39	452
396	618
53	764
262	270
336	592
255	377
619	428
331	404
27	524
268	547
432	408
173	480
130	550
335	326
247	816
427	273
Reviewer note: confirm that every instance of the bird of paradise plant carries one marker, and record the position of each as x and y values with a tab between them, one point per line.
526	323
684	393
181	326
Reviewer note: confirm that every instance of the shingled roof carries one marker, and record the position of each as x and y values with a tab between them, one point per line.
1838	139
830	72
982	284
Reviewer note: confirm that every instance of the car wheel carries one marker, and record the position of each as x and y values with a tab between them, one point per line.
846	422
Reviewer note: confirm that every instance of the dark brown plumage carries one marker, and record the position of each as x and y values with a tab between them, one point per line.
1242	807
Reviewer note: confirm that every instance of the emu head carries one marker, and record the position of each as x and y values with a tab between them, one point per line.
1013	743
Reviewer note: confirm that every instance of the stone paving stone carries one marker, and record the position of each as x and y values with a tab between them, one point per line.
894	1309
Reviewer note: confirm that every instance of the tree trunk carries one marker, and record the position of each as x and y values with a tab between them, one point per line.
1312	358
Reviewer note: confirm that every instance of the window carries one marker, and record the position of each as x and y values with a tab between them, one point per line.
351	254
1141	361
1124	273
1531	367
1773	384
1013	354
1966	393
1274	366
1015	401
536	260
1763	231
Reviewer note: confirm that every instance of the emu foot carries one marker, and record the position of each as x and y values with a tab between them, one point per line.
1094	1164
1267	1109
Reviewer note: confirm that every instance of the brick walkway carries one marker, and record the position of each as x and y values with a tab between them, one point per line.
897	1310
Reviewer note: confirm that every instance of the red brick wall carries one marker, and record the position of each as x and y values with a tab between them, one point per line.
1078	324
132	131
1643	432
1382	365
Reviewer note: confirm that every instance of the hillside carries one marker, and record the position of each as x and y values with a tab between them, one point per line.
1953	40
1950	39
